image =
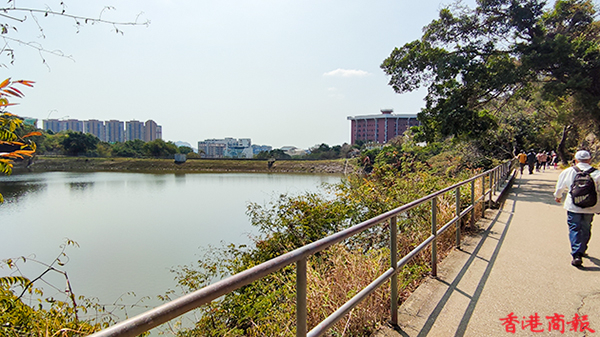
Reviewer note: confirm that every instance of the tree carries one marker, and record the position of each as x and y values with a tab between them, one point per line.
158	148
50	142
274	154
130	148
469	58
12	145
185	149
14	17
78	143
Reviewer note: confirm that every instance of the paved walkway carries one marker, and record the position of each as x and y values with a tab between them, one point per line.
519	264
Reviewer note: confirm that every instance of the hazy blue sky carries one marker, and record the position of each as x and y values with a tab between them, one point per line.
280	72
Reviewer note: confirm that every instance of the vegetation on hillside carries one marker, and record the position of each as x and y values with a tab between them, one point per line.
505	76
400	173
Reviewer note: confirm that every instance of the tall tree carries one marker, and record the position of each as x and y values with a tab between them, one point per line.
470	57
78	143
158	148
130	148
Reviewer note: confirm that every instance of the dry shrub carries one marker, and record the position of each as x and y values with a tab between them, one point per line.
335	282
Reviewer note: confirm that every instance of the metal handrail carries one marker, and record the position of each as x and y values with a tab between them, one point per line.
164	313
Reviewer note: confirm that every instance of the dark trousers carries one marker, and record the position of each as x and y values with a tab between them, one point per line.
580	231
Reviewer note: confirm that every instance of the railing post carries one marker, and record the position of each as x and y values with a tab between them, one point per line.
483	196
301	298
434	233
491	188
473	203
394	263
458	217
498	178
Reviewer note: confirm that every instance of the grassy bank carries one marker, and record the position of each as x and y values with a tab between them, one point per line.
79	164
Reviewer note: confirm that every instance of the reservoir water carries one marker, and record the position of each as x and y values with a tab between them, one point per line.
131	228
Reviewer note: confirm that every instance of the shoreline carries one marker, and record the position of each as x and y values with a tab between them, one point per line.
142	165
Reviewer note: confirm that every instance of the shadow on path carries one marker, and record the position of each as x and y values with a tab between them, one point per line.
453	286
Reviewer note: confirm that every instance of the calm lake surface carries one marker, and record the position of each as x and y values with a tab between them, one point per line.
132	228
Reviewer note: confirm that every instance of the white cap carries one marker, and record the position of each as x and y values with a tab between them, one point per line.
582	155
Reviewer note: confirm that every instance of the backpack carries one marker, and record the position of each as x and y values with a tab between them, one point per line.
583	189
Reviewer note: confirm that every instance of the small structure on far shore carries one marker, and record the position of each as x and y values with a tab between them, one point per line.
180	158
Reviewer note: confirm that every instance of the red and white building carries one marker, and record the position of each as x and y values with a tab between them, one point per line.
380	128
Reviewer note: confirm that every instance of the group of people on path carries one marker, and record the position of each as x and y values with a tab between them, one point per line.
537	161
578	187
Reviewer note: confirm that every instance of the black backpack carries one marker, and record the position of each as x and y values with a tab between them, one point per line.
583	189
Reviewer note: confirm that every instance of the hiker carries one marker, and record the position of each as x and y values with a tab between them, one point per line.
542	157
531	160
522	160
554	160
581	202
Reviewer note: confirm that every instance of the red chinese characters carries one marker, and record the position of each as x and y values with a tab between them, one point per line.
556	322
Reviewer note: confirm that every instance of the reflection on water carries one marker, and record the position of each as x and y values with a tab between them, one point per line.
14	191
132	228
80	186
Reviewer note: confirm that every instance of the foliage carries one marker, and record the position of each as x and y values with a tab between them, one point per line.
13	145
185	149
193	155
50	316
158	148
273	154
266	307
130	148
475	61
78	143
104	149
324	151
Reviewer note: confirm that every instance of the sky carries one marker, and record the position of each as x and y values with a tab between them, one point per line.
281	72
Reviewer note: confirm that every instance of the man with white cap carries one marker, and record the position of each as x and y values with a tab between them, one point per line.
580	205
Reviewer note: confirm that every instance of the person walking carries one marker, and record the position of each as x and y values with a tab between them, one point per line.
554	157
522	160
581	181
531	160
542	159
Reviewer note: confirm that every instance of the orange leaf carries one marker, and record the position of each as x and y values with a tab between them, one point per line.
12	155
34	133
17	90
19	153
27	83
5	83
12	92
